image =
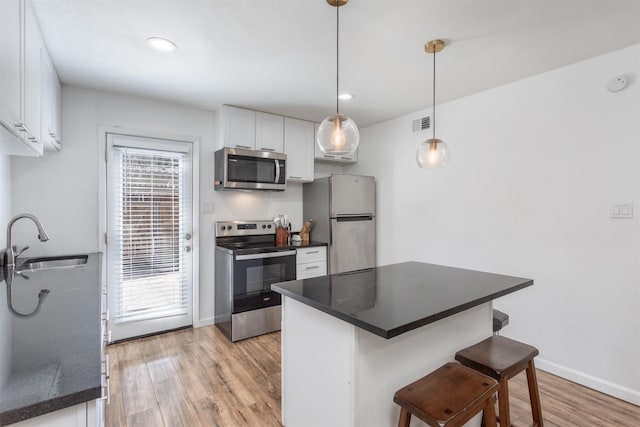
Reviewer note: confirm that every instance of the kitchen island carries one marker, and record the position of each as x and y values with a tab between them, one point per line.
350	340
51	345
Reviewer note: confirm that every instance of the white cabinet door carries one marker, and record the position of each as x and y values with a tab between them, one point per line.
11	24
311	262
57	109
311	269
14	138
239	127
321	157
50	103
32	78
269	132
298	146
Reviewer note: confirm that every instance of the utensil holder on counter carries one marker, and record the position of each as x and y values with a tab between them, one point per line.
281	236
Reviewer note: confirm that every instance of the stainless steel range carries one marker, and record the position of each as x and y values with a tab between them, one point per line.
247	262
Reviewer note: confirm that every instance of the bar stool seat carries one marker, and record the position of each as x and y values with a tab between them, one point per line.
449	396
502	358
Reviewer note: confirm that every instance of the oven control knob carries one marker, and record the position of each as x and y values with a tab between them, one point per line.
224	228
264	226
269	226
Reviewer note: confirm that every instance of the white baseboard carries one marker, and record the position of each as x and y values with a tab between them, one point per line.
204	322
604	386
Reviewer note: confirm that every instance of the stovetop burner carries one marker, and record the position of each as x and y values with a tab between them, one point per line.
247	237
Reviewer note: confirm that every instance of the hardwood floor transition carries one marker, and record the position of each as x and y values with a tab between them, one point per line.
196	377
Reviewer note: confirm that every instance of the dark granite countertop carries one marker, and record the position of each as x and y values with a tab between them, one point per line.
394	299
51	360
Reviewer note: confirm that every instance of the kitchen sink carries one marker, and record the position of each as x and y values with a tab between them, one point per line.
54	262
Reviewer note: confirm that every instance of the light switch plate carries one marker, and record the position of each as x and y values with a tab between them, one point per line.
208	208
622	210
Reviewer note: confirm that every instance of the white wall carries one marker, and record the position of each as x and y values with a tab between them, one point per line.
5	316
62	188
535	167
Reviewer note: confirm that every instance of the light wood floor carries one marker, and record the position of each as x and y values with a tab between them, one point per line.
195	377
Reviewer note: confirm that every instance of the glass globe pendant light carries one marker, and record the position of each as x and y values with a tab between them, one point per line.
433	153
338	134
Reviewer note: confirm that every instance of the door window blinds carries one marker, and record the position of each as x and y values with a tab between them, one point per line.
148	270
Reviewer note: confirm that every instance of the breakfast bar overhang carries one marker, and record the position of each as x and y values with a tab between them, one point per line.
350	340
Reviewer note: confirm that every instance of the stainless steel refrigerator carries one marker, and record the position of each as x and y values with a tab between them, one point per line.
343	210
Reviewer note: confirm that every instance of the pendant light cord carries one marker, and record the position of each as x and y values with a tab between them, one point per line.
337	59
434	94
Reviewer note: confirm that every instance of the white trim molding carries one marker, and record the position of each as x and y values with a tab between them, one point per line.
604	386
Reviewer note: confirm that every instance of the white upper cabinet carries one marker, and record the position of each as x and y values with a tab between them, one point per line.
32	76
11	24
299	136
321	157
239	127
252	130
20	79
269	132
50	104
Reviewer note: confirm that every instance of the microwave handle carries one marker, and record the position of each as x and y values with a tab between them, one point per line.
277	171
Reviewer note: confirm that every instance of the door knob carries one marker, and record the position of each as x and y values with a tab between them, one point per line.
187	249
187	236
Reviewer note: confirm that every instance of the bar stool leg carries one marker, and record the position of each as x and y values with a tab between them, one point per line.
405	418
534	396
503	403
489	414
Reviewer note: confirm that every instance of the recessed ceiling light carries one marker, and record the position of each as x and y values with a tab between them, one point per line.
161	45
345	96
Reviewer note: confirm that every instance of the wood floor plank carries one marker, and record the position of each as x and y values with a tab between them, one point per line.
209	412
148	418
196	377
135	382
114	367
114	414
180	414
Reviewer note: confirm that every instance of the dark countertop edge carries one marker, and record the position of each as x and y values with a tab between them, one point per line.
409	326
357	322
454	310
51	405
311	244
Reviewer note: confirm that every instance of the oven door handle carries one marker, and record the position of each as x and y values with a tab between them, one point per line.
265	255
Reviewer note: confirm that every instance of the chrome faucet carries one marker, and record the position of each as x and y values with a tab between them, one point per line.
10	253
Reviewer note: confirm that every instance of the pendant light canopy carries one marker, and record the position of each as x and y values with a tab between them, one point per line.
433	152
338	134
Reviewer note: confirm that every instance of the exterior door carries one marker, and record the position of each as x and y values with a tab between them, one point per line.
149	226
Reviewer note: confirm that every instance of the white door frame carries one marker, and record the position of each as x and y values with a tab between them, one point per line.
103	130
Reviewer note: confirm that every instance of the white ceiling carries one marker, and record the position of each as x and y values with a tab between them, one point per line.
279	55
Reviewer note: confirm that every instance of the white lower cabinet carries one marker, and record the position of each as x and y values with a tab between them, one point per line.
89	414
311	262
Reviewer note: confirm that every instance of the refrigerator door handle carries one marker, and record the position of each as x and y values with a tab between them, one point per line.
354	217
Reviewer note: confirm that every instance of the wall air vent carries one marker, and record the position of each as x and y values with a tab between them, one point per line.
423	123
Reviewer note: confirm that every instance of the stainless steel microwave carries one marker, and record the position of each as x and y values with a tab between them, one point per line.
239	169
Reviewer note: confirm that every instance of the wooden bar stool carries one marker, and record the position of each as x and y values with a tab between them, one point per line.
449	396
502	358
